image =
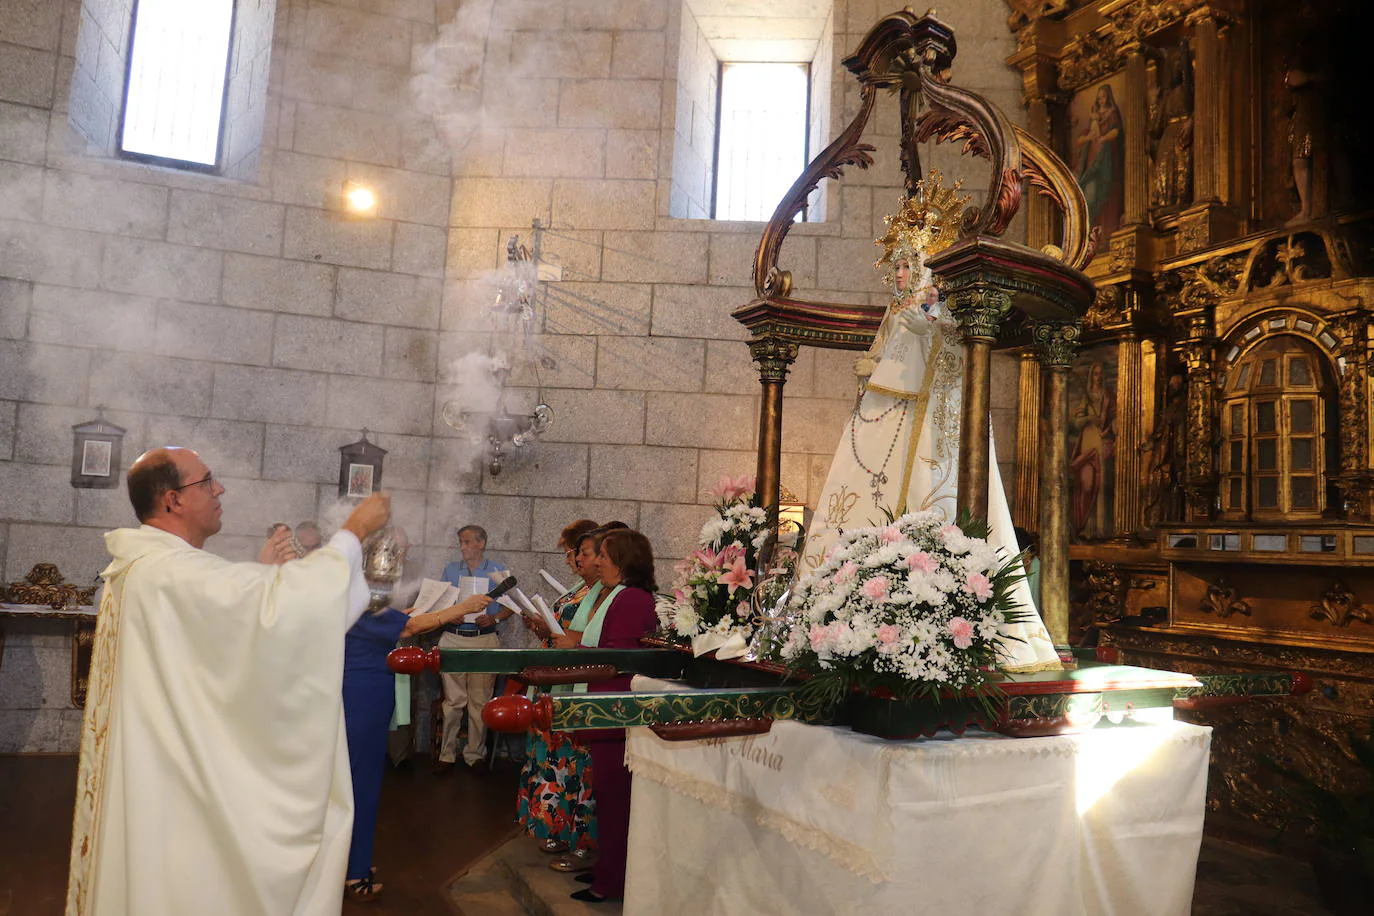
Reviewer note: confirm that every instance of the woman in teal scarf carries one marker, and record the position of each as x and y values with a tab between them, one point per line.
554	802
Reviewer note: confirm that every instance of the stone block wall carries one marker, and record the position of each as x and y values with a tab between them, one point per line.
249	319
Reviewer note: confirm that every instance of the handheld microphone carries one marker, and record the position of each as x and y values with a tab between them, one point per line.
498	590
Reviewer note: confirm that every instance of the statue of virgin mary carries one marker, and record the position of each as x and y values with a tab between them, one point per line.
899	452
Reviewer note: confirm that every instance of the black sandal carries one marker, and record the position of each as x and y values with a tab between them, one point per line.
363	890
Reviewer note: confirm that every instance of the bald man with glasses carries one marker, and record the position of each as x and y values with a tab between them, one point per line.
214	772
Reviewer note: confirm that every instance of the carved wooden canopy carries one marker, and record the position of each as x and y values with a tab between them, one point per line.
913	55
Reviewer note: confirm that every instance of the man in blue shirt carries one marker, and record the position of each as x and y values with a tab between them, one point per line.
469	692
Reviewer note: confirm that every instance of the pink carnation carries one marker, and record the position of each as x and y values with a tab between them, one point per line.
876	588
890	535
846	572
962	631
888	634
920	561
950	530
820	635
978	586
742	609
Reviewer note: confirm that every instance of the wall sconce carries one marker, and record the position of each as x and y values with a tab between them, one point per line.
97	449
354	199
360	468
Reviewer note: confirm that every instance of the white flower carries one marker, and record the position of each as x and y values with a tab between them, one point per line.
687	622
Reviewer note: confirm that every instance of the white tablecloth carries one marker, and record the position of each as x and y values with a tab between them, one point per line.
823	820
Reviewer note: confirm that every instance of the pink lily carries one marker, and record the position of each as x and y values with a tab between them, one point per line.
737	576
708	558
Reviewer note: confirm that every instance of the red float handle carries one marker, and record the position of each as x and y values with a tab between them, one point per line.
412	660
515	713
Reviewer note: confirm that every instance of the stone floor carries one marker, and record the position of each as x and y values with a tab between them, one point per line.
446	844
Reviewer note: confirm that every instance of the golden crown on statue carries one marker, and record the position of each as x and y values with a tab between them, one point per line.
927	222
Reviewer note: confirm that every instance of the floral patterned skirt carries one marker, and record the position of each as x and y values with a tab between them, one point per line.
554	800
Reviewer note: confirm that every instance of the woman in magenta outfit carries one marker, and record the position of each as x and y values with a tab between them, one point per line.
369	695
627	568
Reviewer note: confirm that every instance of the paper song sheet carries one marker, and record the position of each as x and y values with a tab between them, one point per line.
432	591
548	617
558	587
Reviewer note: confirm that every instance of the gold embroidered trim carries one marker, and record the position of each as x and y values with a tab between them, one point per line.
919	421
95	725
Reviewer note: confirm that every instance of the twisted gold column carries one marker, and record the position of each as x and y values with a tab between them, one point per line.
1057	344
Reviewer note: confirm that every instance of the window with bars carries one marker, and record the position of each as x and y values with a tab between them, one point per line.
174	89
1276	425
761	147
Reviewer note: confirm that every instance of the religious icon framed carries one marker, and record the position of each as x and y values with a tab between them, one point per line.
360	468
96	455
359	481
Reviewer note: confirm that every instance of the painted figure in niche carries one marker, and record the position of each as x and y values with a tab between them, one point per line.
1171	132
1099	154
1093	425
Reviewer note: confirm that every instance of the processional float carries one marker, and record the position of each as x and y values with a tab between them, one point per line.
988	282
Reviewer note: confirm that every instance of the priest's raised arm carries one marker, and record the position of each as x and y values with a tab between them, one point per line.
213	775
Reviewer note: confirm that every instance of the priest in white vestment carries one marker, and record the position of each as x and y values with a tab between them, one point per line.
899	452
214	776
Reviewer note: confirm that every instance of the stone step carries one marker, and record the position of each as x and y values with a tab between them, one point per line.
515	880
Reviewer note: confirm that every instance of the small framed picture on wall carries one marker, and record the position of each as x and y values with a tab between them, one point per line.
96	454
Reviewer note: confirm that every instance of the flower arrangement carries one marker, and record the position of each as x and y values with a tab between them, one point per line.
710	602
911	608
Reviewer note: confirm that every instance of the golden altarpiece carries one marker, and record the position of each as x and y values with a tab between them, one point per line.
1221	475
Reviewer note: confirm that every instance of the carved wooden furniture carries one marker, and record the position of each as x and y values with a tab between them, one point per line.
44	594
736	697
1221	474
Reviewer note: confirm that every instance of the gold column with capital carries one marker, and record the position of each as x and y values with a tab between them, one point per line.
1210	160
1056	346
979	308
1136	118
774	356
1026	509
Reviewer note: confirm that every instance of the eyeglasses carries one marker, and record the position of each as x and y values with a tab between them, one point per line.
208	478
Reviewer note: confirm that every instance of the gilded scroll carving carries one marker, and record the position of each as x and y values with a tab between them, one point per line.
1339	606
1222	599
44	585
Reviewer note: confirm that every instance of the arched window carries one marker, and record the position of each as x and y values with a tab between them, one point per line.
1278	422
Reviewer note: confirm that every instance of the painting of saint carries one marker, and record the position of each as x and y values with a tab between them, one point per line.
1097	153
1092	446
359	480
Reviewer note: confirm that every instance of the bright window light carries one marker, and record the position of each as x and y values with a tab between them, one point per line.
763	111
174	99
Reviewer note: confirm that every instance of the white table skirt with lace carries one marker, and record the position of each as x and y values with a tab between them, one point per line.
820	820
